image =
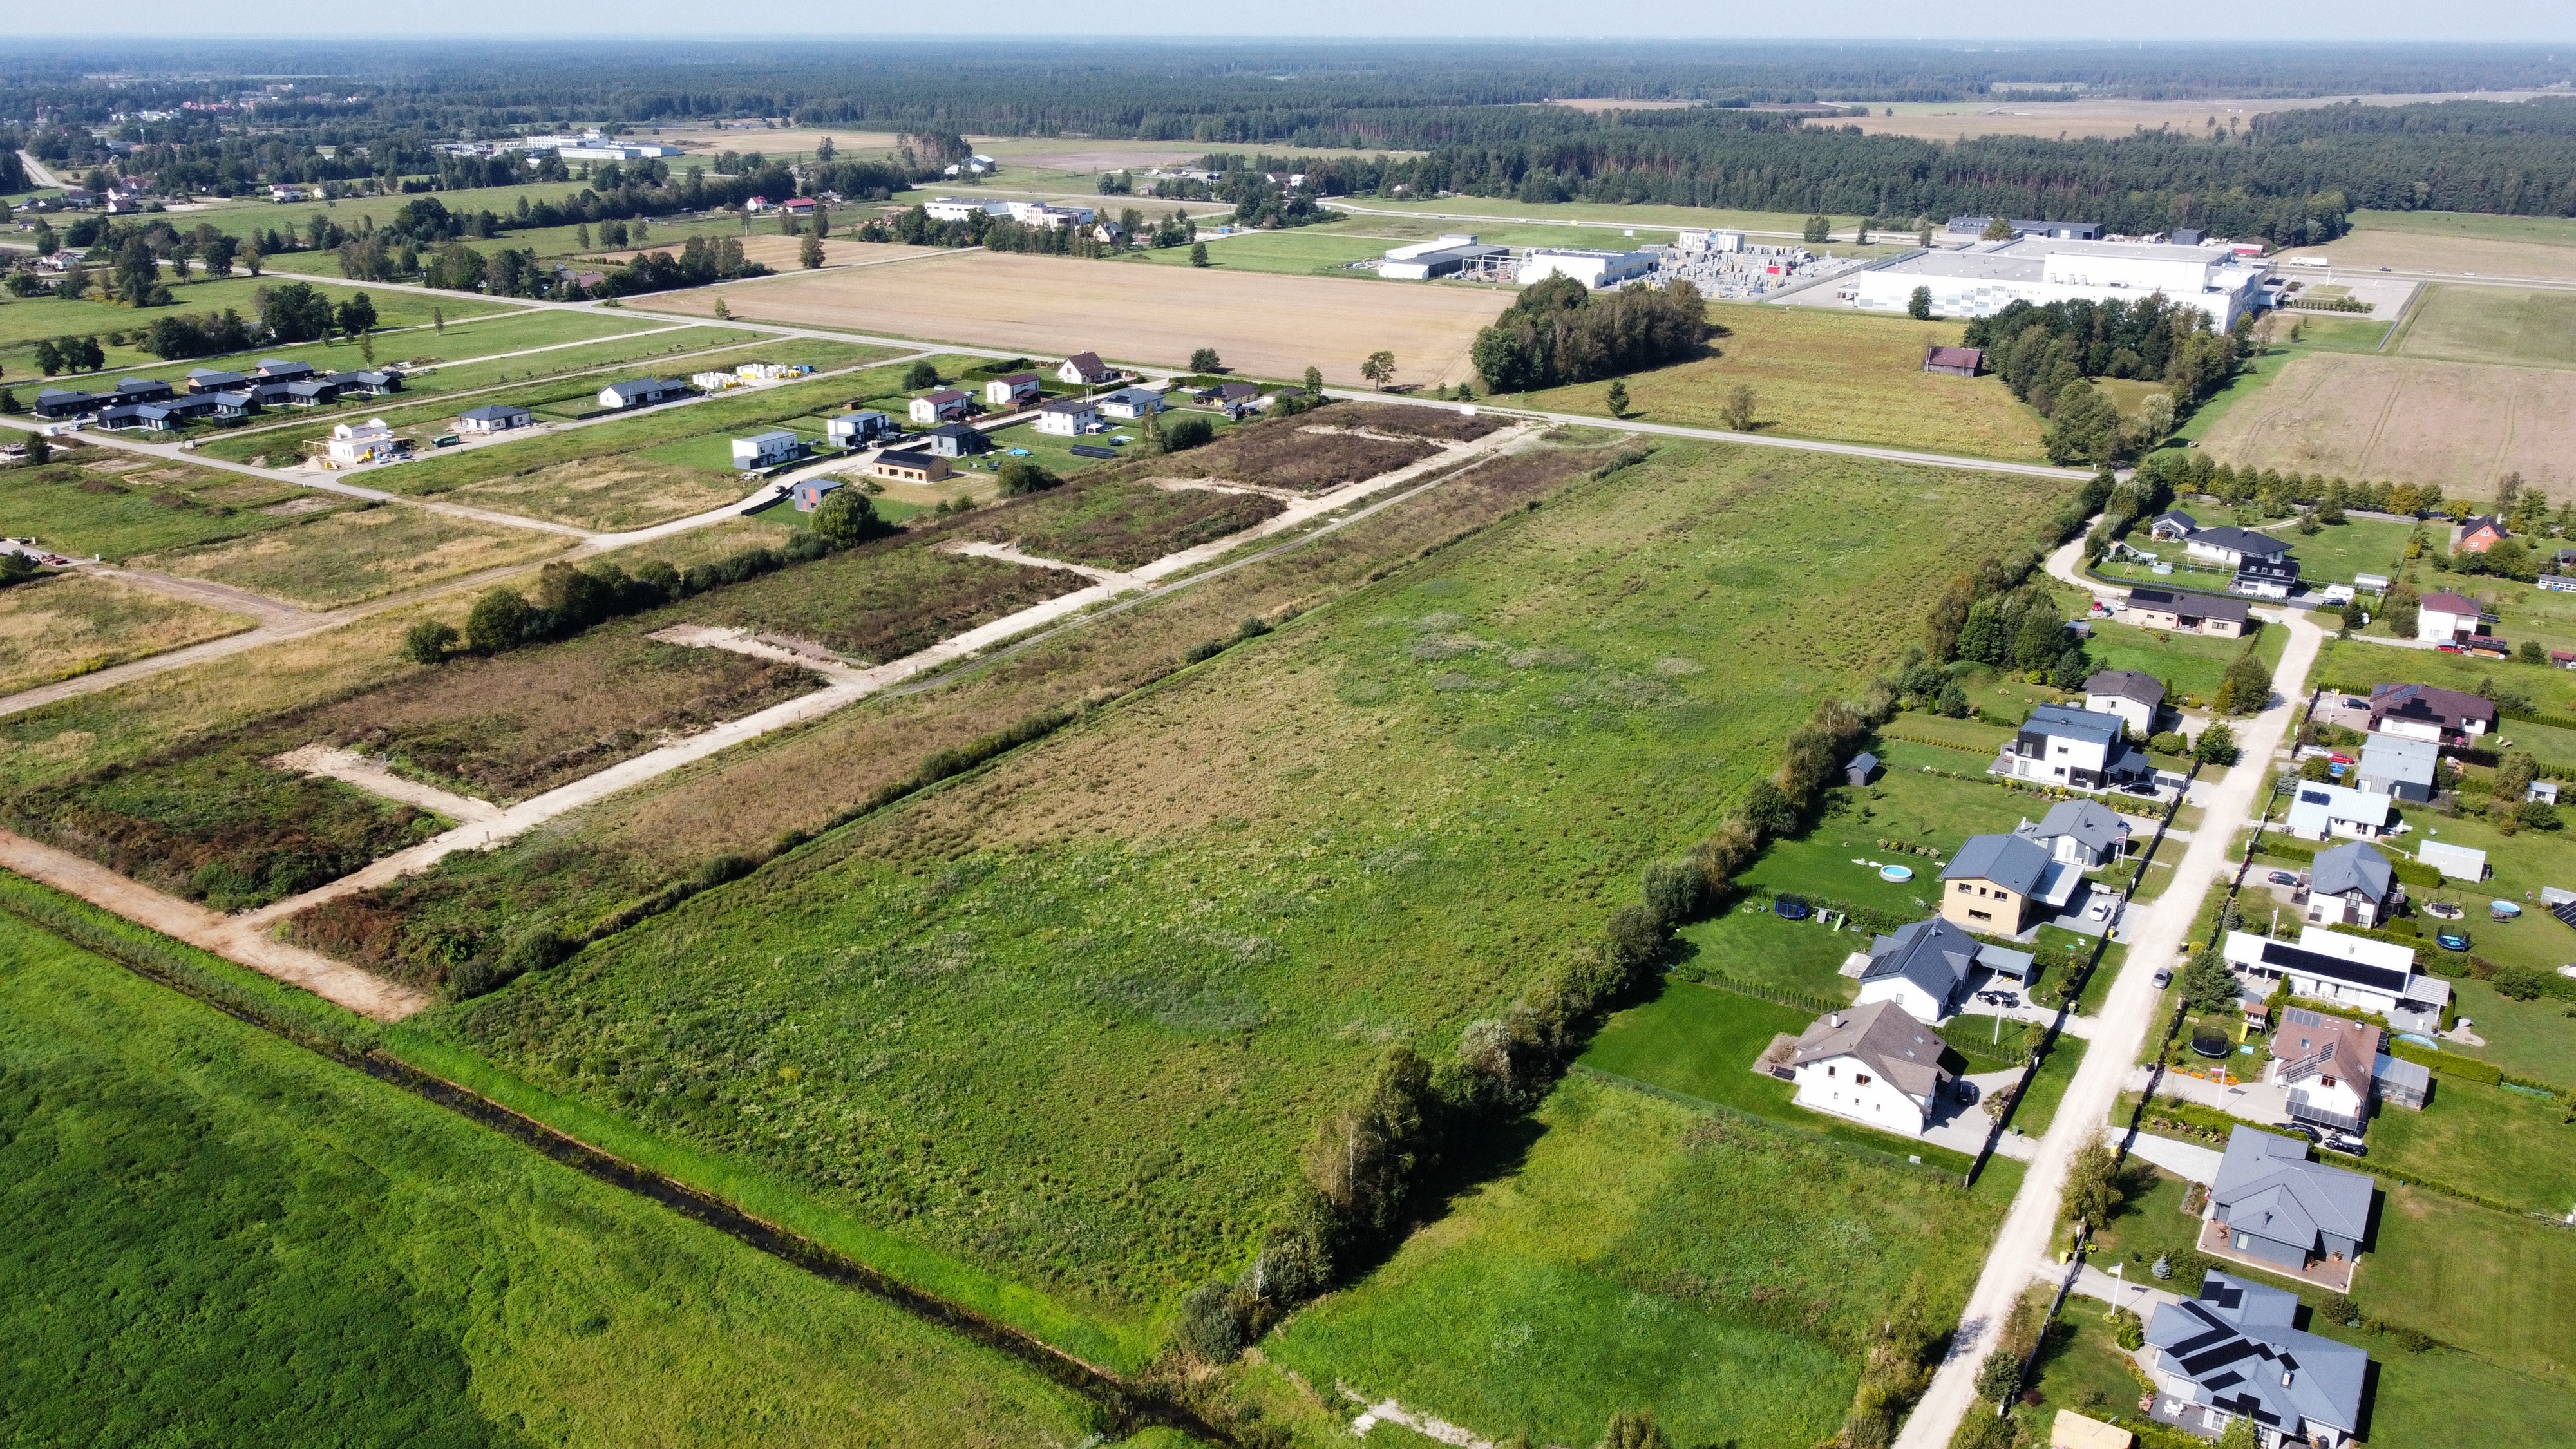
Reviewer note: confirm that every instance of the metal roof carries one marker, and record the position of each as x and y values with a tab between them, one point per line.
2007	860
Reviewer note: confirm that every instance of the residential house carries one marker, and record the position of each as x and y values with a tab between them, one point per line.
2233	547
2132	695
1875	1064
1225	394
2400	766
2174	527
494	418
1020	389
2179	611
171	416
956	440
1998	883
2077	747
809	493
1069	417
2232	1353
2351	885
207	379
797	206
230	406
2423	712
2327	1064
2082	833
1923	967
55	402
1085	369
910	465
2321	812
1953	361
2278	1206
143	390
311	392
766	449
117	416
1862	767
2266	578
284	369
641	392
368	442
2447	618
1131	402
371	382
2479	534
857	429
945	405
2373	976
2558	583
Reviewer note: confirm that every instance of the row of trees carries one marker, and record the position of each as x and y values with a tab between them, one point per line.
1560	331
2047	355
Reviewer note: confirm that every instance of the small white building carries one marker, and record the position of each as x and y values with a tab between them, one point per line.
367	442
766	450
1015	391
1069	417
493	418
642	392
2085	834
2326	965
958	208
1593	269
1874	1064
1131	402
2457	862
2319	812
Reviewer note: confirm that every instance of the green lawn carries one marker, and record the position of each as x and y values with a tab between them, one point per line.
116	505
2492	1140
1753	944
2546	230
1300	252
213	1236
25	320
2530	328
2498	1285
1640	1255
2082	1367
2189	664
2336	552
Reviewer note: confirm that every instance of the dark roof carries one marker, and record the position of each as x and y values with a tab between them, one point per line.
277	367
953	430
2069	723
2191	605
1933	954
495	412
2451	708
2133	684
2335	968
2235	1343
639	387
1887	1038
1071	405
1967	357
944	395
2273	1176
136	386
1015	379
2007	860
919	457
1087	363
2095	825
2176	515
2450	603
2244	541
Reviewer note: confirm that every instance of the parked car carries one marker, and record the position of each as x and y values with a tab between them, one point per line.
2302	1129
2453	940
2282	877
2164	978
2348	1146
2450	649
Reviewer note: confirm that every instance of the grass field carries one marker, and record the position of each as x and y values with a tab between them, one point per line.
71	624
90	502
215	1236
26	320
881	603
2189	664
2338	551
1820	374
352	554
1303	252
2493	324
1124	525
1151	934
2508	1145
2449	244
2498	1285
1641	1255
2457	424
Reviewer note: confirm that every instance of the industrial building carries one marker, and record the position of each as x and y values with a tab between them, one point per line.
1983	279
1444	257
2066	230
1592	269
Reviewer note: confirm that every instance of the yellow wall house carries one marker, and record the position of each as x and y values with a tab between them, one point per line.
1997	884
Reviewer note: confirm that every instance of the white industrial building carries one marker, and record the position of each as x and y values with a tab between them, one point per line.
952	208
1710	241
1450	253
1982	280
1592	269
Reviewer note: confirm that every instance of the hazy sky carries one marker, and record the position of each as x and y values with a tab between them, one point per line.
2539	21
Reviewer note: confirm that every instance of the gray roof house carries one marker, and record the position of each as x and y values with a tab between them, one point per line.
1843	1054
2278	1206
2174	527
2077	747
1994	883
1924	967
2351	884
2400	766
639	392
2231	1351
1862	766
2235	546
2080	833
2133	695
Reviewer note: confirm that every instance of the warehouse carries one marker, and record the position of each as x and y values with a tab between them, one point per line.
1982	280
1592	269
1445	257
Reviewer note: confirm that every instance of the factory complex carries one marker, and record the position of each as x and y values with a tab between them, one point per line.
1985	277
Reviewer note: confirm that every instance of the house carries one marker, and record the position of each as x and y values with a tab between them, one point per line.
2447	618
2425	712
766	449
1996	883
641	392
2232	1353
493	418
143	390
809	493
2266	578
2351	885
910	465
367	442
55	402
2320	812
232	405
797	206
1954	361
311	392
1131	402
2075	747
1020	389
2232	547
857	429
2374	976
2173	527
1085	369
2479	534
956	440
1069	417
1861	768
2558	583
284	369
169	417
270	393
944	405
1226	395
2400	766
2081	833
2327	1063
2188	613
207	379
116	416
2282	1208
371	382
1923	967
1875	1064
2132	695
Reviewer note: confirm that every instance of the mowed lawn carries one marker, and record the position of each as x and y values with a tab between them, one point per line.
213	1235
1822	374
1158	948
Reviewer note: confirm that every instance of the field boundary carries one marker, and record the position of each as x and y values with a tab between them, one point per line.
1707	1108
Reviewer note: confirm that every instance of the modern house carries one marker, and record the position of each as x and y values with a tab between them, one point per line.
1018	390
178	412
1069	417
641	392
2479	534
367	442
1923	967
2180	611
284	369
809	493
1874	1064
2080	833
493	418
143	390
311	392
2447	618
2077	747
766	449
2423	712
2327	1063
2134	696
2373	976
853	430
2232	1353
2233	547
956	440
2173	527
2321	812
910	465
368	382
2351	885
1226	395
2278	1206
208	379
2399	766
2266	578
1131	402
1997	883
1953	361
1085	369
55	402
943	406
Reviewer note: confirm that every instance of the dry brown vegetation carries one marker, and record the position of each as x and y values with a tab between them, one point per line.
1121	524
1415	421
1306	456
59	627
606	493
881	602
2461	425
356	554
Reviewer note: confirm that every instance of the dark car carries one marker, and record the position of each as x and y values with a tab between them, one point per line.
2282	877
2348	1146
2302	1129
2453	940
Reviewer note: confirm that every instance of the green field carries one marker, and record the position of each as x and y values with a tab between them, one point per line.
215	1237
1776	226
2546	230
25	320
2496	1284
1302	252
72	624
2336	552
2189	664
92	502
2511	1146
1642	1255
2535	328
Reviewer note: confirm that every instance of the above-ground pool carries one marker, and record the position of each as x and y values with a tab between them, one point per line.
1896	872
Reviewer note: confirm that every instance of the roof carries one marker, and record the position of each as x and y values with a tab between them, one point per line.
2452	708
2400	757
944	395
279	366
2240	540
2399	1072
1071	405
1087	362
774	435
495	412
2235	1343
916	457
2333	1041
1135	395
1938	356
212	375
2338	802
953	430
637	387
2292	1199
2450	603
2482	522
2305	958
1883	1036
1862	763
1933	954
2130	684
2351	866
2065	722
2088	821
2185	602
2007	860
2176	515
1018	377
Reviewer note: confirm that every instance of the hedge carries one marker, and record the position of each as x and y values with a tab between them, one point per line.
2287	847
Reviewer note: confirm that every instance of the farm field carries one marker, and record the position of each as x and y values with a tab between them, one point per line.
75	623
330	1259
2103	116
1640	1254
26	320
1152	909
878	603
1267	326
1643	215
96	502
2493	248
348	555
1820	374
2493	324
1124	525
2460	425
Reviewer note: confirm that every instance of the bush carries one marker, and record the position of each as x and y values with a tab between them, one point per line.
2522	983
1674	890
2216	745
1999	1378
723	868
1021	477
2169	742
2339	1309
498	621
1188	433
1210	1327
847	517
427	642
921	374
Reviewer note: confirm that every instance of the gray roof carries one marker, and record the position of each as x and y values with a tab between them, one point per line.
2066	722
1934	954
2235	1343
2396	757
773	435
642	386
2007	860
2176	515
495	412
2398	1071
2096	827
1072	405
2351	866
2244	541
2134	684
2191	605
2270	1189
1886	1037
1862	763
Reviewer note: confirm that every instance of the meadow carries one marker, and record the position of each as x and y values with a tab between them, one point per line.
26	320
1153	933
2493	324
213	1235
2460	425
1124	525
879	604
348	555
93	502
72	624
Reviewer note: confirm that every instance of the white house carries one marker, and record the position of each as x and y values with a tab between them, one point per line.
1924	967
852	430
2377	976
354	443
766	450
2328	1063
1131	402
642	392
2351	885
1085	369
944	405
1592	269
2447	618
1017	390
2082	833
1873	1064
2131	695
2319	812
493	418
2075	747
1069	417
2232	547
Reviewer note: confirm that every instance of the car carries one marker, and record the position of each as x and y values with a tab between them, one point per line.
2164	978
2449	649
2302	1129
2383	269
2348	1146
2453	940
2282	877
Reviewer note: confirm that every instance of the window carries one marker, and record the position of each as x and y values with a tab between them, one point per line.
1861	1079
1980	915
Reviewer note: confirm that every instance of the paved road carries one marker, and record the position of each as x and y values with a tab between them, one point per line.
37	173
1335	203
2026	1238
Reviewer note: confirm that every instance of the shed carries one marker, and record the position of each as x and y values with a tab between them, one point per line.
2456	861
2401	1083
1863	766
1955	361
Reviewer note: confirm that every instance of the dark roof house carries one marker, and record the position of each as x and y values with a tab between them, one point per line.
2456	713
956	440
2128	684
1955	361
1932	957
2351	866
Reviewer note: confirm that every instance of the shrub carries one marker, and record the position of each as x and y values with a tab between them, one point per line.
1999	1378
1210	1327
2216	745
1188	433
498	621
1674	890
2522	983
2339	1309
1021	477
2170	742
847	517
921	374
723	868
427	642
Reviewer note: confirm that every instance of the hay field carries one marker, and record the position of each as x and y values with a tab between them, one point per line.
777	252
348	555
2493	324
2110	116
2368	248
2457	424
75	623
1266	326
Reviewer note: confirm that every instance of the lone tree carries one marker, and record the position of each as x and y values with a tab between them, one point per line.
1379	369
1198	254
2206	981
1997	229
1738	411
809	252
1919	306
921	374
1205	360
1618	399
2000	1378
1819	231
1315	381
846	517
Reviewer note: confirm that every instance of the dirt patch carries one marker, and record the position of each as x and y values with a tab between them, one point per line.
2458	424
309	503
1294	453
1124	525
606	493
